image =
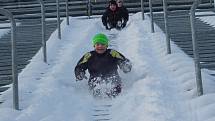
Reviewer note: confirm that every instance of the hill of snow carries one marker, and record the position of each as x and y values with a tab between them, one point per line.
160	87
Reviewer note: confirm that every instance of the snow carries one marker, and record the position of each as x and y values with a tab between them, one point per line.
207	19
5	31
160	87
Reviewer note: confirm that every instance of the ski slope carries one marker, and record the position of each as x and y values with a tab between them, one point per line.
160	87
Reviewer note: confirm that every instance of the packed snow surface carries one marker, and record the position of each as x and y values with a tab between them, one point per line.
160	87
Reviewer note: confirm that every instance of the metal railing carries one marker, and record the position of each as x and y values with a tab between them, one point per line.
89	8
142	9
198	65
58	19
165	23
67	12
151	16
43	30
214	3
166	27
195	49
9	15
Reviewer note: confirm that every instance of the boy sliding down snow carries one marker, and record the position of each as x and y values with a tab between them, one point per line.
102	65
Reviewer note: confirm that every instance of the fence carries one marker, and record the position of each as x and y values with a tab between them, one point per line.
198	65
13	41
14	63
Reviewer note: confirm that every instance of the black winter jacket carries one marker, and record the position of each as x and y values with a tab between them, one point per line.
111	17
124	13
101	65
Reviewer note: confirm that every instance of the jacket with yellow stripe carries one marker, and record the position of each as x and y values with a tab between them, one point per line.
101	65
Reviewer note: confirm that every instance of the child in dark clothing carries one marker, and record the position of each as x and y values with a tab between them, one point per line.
102	64
123	11
112	17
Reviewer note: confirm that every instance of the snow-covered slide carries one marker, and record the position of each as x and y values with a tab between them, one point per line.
153	91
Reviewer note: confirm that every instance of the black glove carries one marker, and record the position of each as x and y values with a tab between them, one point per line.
107	27
80	76
123	24
119	23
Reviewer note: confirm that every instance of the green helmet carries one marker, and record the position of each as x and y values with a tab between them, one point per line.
100	38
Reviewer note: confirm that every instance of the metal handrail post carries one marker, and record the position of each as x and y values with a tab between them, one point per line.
166	27
151	16
9	15
67	12
195	49
142	9
89	8
214	3
43	30
58	19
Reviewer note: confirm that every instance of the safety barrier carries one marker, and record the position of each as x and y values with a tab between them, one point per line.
151	16
58	19
43	30
9	15
198	65
142	9
195	48
165	23
13	27
67	12
166	27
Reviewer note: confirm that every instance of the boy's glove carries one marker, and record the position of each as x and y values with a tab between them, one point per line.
126	66
80	76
